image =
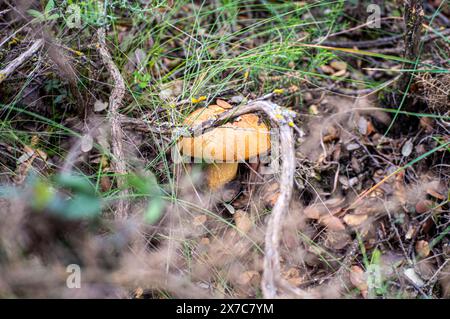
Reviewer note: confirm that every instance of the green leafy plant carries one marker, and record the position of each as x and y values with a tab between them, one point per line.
47	15
141	79
67	196
375	280
147	186
83	202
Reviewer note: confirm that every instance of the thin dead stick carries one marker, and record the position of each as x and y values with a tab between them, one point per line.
143	125
381	42
413	20
11	67
362	26
364	44
115	102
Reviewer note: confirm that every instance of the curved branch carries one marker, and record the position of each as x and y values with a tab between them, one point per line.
115	102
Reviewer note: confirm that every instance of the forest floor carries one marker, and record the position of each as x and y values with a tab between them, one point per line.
92	94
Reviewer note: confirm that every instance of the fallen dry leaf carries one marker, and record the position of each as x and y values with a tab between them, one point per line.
271	194
370	128
25	161
355	220
363	125
435	193
427	226
334	202
332	134
243	222
427	124
422	248
313	109
223	104
199	220
105	183
249	277
237	99
339	65
100	106
414	277
138	293
337	239
332	223
292	275
339	73
358	278
424	206
410	233
366	210
327	69
407	148
312	212
87	142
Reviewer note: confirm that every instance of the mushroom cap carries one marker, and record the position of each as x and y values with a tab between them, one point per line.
238	140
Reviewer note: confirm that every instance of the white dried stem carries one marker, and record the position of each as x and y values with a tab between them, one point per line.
115	102
17	62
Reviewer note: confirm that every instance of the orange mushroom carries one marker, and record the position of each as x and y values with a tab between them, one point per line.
223	147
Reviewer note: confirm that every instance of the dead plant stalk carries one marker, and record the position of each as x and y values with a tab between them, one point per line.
17	62
115	102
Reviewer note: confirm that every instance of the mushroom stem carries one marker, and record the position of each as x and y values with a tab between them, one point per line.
218	174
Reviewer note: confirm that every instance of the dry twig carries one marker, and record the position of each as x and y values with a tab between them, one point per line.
115	102
382	42
17	62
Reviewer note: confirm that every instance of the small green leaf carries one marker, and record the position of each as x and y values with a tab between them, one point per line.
35	14
76	183
139	184
144	185
81	207
376	257
43	194
49	7
54	16
154	210
148	186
